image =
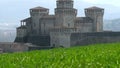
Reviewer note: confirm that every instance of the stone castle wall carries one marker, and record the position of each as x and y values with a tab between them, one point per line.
60	39
42	40
84	27
46	24
13	47
68	39
94	38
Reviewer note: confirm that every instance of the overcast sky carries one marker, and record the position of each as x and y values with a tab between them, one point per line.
12	11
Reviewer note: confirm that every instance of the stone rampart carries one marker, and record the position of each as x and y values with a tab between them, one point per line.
94	38
13	47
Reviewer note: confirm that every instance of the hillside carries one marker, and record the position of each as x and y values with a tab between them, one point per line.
112	25
93	56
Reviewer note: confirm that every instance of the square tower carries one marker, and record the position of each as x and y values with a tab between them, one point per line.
65	14
36	14
96	14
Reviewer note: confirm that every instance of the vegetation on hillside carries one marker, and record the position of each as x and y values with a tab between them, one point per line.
92	56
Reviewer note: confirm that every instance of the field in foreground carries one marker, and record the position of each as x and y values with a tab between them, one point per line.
93	56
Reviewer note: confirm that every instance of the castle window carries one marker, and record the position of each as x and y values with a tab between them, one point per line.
68	24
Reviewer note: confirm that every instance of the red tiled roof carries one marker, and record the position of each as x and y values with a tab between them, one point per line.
27	19
94	7
22	27
38	8
64	0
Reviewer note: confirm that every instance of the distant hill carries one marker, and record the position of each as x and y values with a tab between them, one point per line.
112	25
7	35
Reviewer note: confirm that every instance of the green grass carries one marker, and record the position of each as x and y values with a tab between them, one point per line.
93	56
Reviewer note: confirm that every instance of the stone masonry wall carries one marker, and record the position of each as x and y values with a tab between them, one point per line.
39	40
93	38
60	39
13	47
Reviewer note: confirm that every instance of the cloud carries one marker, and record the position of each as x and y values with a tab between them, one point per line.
8	26
91	1
16	10
110	2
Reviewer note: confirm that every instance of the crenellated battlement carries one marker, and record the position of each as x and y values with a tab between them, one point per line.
68	30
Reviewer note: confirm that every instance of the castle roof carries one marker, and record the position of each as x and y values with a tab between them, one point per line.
64	0
39	8
22	27
94	8
27	19
83	20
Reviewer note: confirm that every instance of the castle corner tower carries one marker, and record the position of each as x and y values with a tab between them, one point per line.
96	14
36	14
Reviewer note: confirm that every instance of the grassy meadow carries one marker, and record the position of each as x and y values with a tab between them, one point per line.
92	56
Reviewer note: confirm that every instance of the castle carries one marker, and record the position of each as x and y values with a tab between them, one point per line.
62	29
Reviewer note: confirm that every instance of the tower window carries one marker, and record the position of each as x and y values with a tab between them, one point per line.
68	24
59	2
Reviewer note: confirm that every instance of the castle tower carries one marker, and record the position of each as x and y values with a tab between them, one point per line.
21	33
37	13
96	14
65	14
